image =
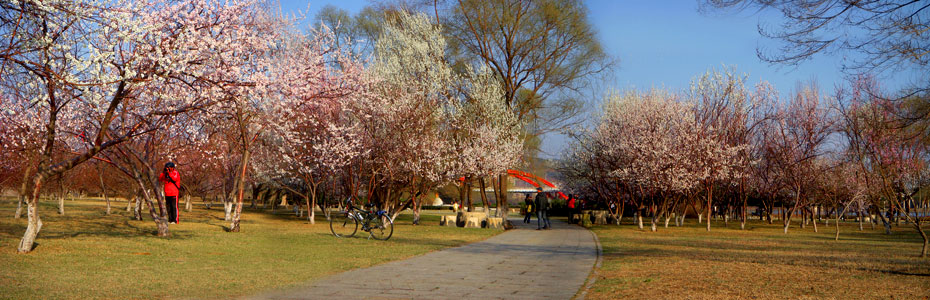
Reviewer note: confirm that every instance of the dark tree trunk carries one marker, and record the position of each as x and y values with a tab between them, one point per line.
484	196
923	234
471	206
503	208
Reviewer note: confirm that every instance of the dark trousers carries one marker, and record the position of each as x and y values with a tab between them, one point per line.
526	219
542	219
172	203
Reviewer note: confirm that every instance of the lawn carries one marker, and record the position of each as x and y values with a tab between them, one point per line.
86	254
760	263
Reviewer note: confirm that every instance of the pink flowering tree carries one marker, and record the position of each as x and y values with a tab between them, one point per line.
111	71
797	137
319	84
892	163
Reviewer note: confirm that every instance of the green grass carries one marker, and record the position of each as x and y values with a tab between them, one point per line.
86	254
760	263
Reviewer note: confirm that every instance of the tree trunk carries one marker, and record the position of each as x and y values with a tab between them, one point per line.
620	211
839	214
786	219
34	224
23	194
639	218
274	201
813	219
188	206
417	206
503	208
709	198
803	218
654	217
471	206
234	226
885	222
742	221
859	216
137	211
160	221
311	213
19	207
726	216
103	187
462	195
923	251
61	196
253	196
227	208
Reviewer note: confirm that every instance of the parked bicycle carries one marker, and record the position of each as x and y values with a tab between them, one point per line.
375	222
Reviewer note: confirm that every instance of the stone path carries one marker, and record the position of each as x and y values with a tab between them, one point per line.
518	264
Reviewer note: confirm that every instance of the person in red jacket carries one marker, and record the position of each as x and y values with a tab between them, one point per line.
172	180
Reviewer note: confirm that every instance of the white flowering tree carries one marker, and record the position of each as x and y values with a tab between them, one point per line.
651	136
408	116
487	136
720	148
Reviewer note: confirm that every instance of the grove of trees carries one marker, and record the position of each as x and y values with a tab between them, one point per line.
408	96
241	97
712	149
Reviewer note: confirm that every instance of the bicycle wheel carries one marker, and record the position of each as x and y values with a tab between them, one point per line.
381	228
343	224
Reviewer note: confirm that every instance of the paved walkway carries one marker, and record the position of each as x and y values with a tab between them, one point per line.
518	264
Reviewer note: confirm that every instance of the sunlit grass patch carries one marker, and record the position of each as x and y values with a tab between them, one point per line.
760	263
86	254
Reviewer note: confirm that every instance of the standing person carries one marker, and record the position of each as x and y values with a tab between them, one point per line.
529	209
172	180
542	210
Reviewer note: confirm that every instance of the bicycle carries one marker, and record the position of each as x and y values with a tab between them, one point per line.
376	223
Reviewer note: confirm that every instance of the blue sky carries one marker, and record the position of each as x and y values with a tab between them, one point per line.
667	43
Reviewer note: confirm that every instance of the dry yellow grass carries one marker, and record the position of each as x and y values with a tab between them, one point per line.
760	263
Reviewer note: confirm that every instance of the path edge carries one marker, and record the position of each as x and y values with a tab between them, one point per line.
270	293
592	277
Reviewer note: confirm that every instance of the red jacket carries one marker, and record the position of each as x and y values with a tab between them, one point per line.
171	188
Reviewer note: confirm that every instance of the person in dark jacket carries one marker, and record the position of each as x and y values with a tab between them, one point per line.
529	209
542	210
172	181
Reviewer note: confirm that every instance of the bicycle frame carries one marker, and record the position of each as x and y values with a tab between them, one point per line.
364	216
